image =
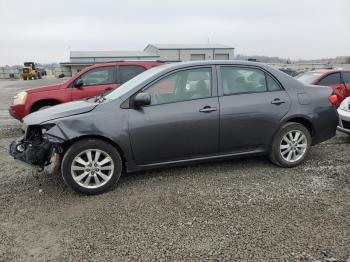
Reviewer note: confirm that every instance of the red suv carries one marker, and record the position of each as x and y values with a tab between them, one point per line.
89	82
337	79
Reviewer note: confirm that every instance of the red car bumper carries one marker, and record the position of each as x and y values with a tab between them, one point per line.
17	111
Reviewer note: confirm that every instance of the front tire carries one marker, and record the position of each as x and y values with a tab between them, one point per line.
290	145
91	166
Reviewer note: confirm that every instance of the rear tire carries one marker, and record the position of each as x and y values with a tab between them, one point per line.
290	145
91	166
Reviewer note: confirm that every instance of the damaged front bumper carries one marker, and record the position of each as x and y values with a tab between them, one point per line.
36	147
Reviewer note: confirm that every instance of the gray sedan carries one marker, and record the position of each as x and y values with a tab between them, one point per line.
180	114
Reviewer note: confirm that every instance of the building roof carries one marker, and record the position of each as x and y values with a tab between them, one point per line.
119	54
189	46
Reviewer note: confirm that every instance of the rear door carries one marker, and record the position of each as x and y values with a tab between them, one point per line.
95	81
252	104
335	81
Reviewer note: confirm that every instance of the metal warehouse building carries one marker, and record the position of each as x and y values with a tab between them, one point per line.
82	59
191	52
162	52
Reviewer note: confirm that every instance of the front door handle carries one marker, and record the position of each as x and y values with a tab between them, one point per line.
207	109
277	101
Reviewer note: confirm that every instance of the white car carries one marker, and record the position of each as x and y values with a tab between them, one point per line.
344	116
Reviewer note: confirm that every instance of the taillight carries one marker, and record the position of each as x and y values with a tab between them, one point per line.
333	99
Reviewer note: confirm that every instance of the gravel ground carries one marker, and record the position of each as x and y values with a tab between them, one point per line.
239	210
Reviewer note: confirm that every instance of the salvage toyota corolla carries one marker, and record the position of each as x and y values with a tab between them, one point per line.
178	114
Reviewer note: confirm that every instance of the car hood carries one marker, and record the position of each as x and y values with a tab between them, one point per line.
59	111
44	88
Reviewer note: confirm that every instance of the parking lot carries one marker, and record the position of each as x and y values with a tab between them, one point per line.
239	210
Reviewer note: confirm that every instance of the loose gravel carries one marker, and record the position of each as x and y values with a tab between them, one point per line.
238	210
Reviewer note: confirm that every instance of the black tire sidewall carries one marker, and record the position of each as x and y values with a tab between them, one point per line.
275	155
85	144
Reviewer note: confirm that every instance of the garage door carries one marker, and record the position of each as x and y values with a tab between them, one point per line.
221	56
197	57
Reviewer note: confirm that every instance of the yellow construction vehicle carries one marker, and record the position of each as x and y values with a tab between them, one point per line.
30	71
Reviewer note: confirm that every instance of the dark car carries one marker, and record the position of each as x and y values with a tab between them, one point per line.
178	114
337	79
289	71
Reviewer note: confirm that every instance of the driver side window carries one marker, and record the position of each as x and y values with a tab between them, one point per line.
182	86
98	76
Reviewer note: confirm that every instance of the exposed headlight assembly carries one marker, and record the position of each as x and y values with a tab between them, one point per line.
20	98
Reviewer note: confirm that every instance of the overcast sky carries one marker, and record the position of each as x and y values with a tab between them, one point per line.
45	31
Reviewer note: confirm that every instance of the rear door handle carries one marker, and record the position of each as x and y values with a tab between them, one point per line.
277	101
207	109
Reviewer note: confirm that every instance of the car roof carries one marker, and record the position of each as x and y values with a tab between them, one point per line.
136	62
213	62
328	71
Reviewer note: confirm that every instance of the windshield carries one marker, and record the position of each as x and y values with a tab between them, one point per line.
129	85
308	78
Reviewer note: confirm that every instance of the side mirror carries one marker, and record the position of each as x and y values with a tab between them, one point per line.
78	83
142	99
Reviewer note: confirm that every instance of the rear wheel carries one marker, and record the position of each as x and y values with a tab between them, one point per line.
291	145
91	166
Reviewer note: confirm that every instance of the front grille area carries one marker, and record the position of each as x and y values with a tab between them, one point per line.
346	124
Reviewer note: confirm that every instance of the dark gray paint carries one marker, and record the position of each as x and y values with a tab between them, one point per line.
177	133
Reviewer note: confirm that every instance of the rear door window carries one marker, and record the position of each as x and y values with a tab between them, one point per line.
332	79
236	80
127	72
346	77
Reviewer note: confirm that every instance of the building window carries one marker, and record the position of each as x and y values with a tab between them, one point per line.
195	57
222	57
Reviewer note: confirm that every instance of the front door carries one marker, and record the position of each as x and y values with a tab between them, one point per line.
182	121
251	107
95	82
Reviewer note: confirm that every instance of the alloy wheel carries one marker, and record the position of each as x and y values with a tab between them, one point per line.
92	168
293	146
